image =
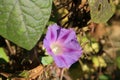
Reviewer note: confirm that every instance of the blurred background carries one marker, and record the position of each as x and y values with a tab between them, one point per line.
100	43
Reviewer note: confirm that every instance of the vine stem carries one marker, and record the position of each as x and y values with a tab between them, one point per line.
9	47
62	73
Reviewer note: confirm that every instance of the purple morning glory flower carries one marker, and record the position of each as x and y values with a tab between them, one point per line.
62	45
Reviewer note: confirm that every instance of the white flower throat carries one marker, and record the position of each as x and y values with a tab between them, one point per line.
56	48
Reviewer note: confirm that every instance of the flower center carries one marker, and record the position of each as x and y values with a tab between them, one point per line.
56	48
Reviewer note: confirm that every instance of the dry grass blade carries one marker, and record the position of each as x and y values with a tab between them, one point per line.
34	73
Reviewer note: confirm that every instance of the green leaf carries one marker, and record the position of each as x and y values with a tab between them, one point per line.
23	21
101	10
118	61
24	74
104	77
3	56
47	60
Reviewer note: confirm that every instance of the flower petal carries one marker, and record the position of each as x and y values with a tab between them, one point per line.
60	62
72	46
64	61
47	46
52	33
72	52
69	60
66	35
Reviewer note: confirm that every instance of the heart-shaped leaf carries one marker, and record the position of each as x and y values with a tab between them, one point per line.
3	56
23	21
47	60
101	10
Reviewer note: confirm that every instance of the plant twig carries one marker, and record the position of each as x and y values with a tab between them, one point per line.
9	47
62	72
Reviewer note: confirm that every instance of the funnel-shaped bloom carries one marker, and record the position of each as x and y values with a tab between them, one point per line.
62	45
